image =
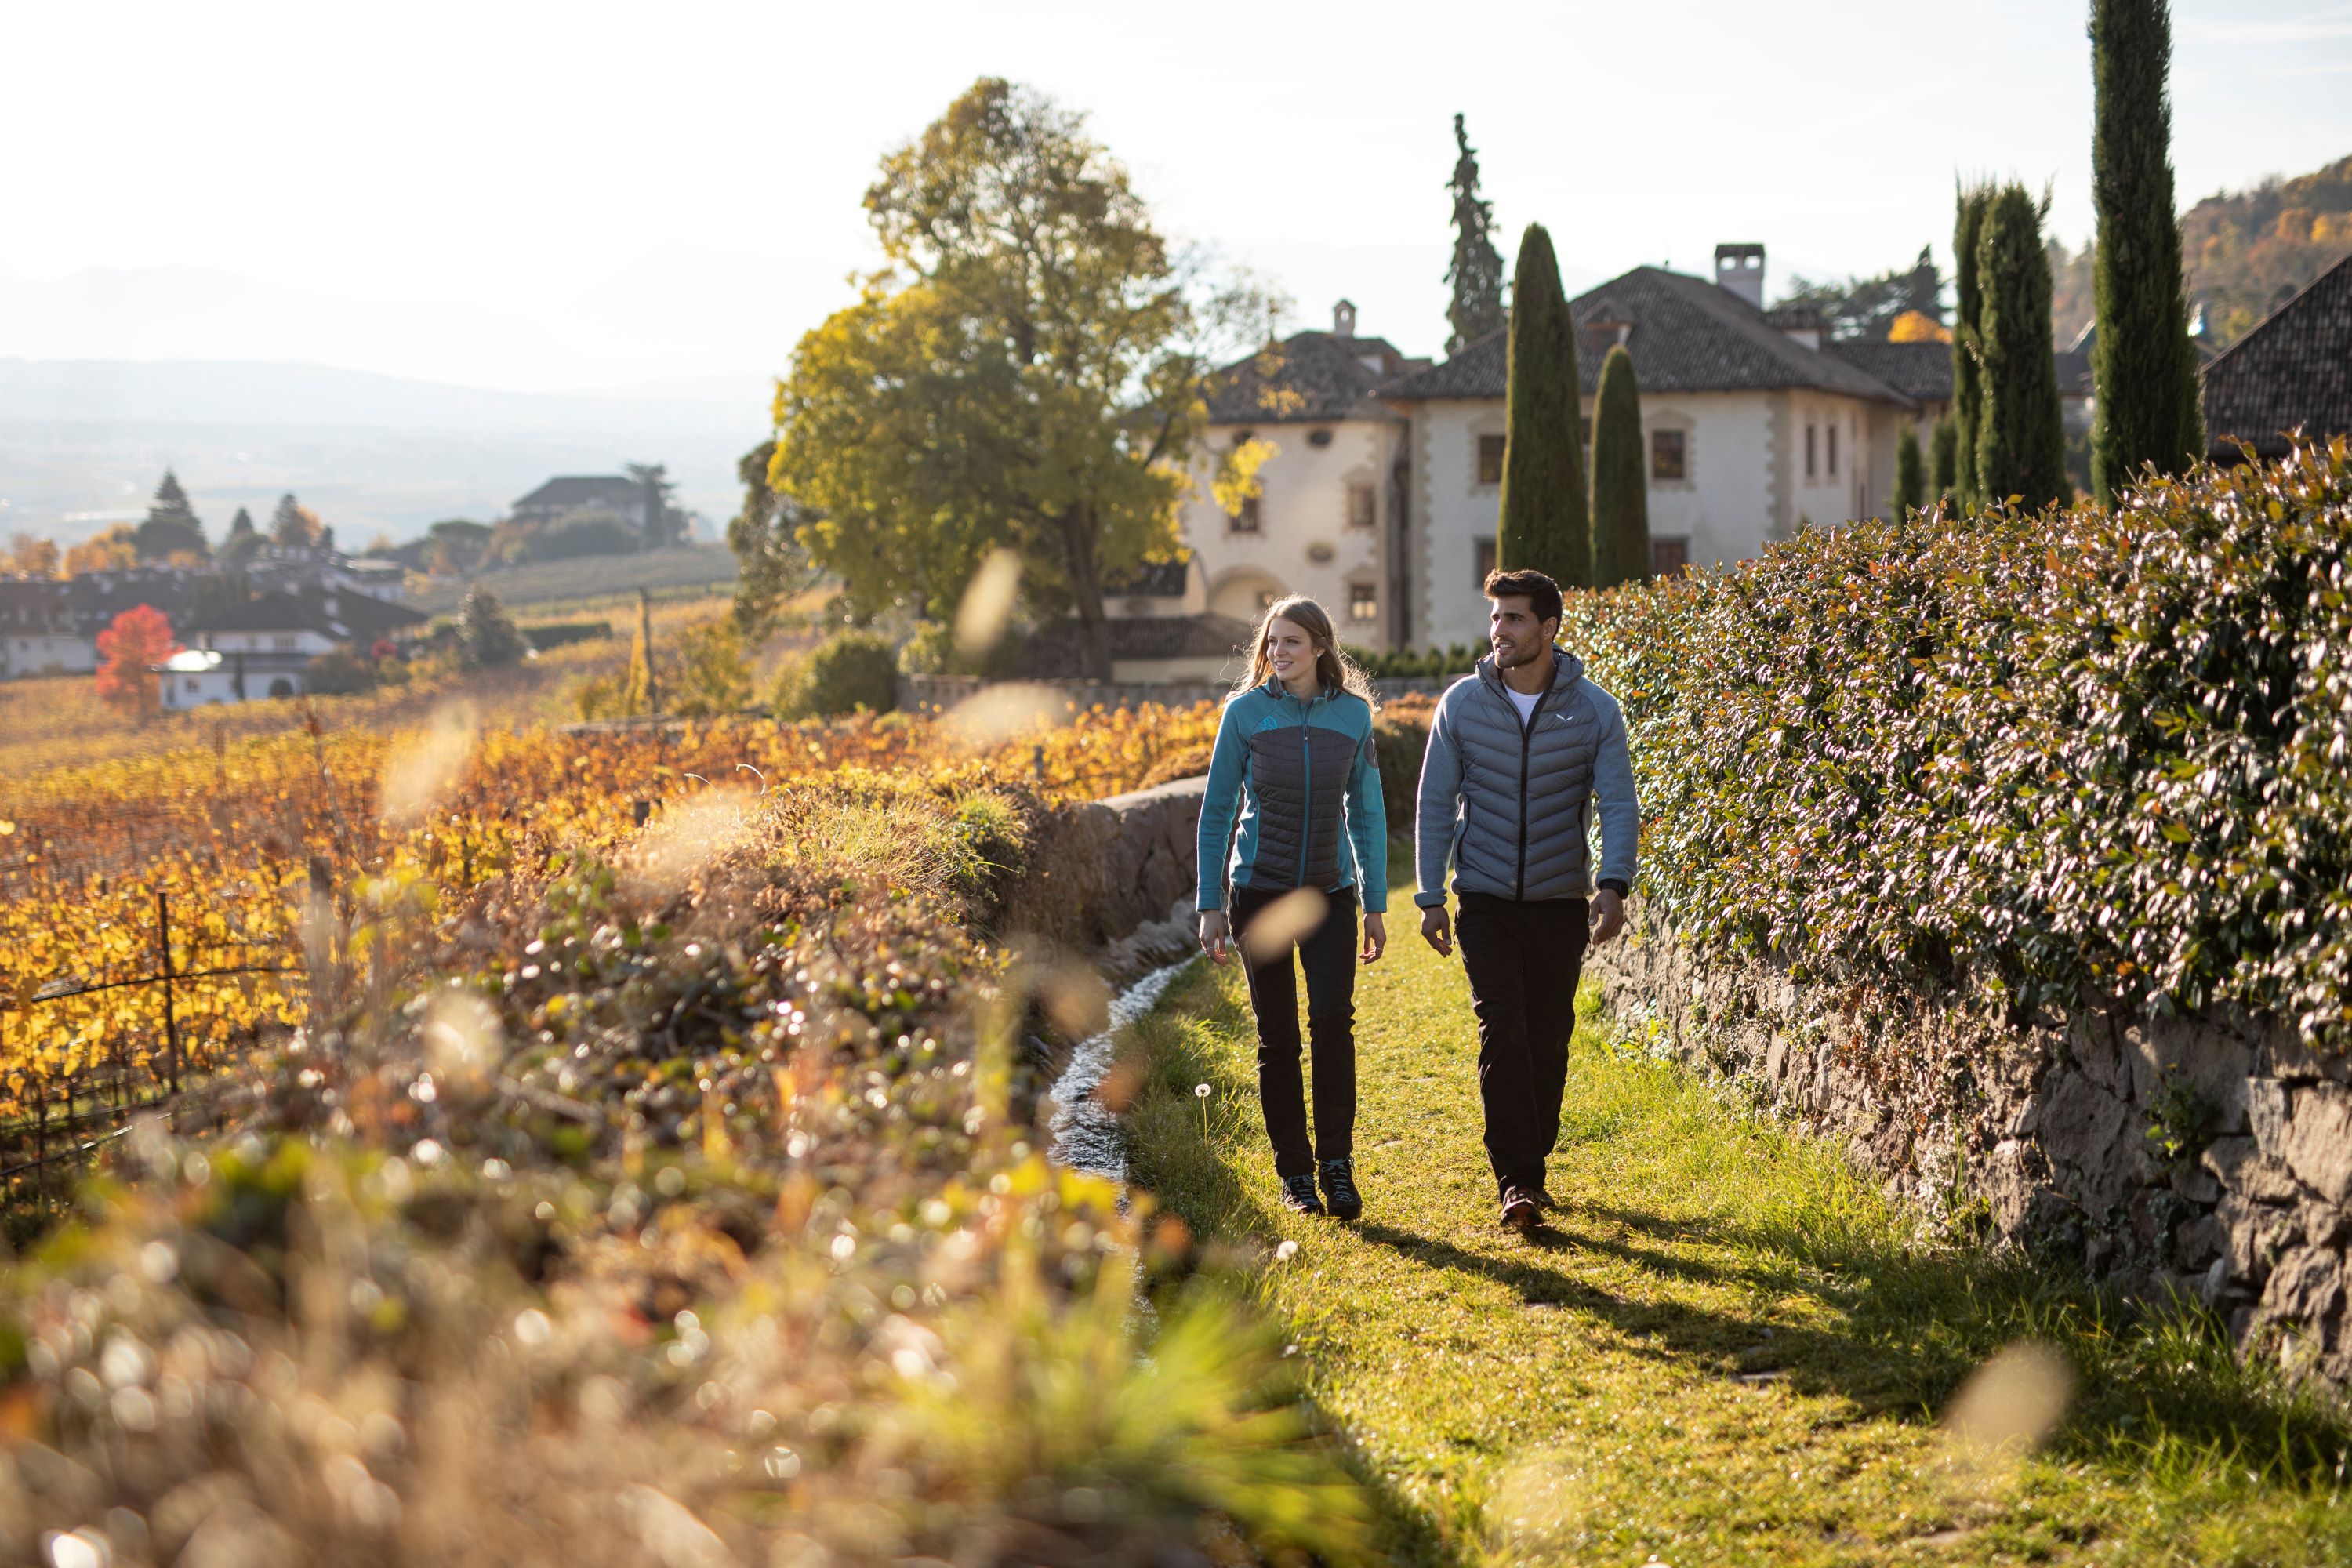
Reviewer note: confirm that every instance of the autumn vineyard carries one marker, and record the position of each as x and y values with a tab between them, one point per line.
166	916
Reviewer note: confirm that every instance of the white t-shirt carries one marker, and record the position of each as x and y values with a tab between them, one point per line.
1525	702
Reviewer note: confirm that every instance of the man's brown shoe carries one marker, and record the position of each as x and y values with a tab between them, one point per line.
1520	1209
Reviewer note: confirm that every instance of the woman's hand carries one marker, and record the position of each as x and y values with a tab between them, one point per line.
1376	937
1212	934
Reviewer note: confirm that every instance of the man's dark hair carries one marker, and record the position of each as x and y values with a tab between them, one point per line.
1541	592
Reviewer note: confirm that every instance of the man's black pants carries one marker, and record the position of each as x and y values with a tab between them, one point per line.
1328	954
1524	961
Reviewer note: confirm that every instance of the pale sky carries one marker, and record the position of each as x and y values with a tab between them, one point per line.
583	196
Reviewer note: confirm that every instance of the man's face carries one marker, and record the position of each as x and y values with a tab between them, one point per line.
1518	637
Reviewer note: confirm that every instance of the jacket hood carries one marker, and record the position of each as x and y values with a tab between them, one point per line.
1567	669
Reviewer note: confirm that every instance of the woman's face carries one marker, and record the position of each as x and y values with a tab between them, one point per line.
1289	650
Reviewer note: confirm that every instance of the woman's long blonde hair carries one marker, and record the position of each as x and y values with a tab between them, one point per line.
1336	671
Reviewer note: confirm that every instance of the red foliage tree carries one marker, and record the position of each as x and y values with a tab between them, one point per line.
139	637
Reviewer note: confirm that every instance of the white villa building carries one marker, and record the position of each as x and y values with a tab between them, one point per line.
1381	499
263	647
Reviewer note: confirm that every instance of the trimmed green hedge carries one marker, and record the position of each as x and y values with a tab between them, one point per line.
2086	749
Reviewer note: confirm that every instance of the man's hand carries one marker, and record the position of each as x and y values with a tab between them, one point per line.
1376	937
1437	930
1608	915
1212	934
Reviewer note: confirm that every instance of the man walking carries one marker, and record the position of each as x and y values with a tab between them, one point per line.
1520	755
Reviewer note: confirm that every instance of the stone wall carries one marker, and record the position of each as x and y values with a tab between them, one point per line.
2208	1156
1099	869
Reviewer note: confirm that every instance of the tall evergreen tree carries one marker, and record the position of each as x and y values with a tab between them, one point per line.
1476	273
1968	370
2142	362
2020	429
172	526
293	523
242	540
1943	455
1542	521
1621	479
487	636
1910	474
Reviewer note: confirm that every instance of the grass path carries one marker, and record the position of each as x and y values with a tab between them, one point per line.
1727	1349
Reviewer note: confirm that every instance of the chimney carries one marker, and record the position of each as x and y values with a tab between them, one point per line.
1343	318
1740	268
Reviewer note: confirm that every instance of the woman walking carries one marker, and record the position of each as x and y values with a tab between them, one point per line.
1294	759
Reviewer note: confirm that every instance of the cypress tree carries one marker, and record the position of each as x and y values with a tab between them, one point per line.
1943	453
1476	273
1542	521
2021	431
1967	384
1910	474
1621	480
2141	359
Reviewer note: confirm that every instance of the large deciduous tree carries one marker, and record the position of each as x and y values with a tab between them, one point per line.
1620	477
1968	370
1026	372
1543	523
1477	270
2142	362
137	638
2021	427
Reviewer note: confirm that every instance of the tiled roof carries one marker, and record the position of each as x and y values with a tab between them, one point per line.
1686	336
2294	369
346	618
568	491
1306	377
1053	651
1920	371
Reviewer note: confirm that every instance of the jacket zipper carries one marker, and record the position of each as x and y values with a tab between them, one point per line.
1306	794
1527	738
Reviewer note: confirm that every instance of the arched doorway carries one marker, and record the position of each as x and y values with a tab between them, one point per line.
281	686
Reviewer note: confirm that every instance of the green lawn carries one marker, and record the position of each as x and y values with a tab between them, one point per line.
1727	1348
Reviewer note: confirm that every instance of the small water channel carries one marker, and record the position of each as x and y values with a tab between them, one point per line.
1086	1134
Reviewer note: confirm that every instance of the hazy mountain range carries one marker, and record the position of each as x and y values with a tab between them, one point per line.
85	441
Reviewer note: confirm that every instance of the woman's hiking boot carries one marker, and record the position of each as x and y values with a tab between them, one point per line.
1520	1209
1339	1191
1299	1194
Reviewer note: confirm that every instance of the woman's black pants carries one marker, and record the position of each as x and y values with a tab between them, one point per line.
1328	956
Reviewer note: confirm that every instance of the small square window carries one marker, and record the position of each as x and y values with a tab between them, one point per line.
1247	520
285	645
1363	602
1668	456
1363	509
1485	562
1490	460
1669	557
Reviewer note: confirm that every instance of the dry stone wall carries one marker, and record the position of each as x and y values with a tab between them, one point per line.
2206	1156
1099	869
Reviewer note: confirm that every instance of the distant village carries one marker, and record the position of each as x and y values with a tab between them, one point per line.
286	612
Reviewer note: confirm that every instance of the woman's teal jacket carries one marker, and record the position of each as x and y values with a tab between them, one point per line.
1307	788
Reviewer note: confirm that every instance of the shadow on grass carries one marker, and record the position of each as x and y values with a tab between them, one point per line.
1896	1327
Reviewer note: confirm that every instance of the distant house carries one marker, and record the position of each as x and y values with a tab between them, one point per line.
263	647
287	567
567	493
52	628
2294	371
